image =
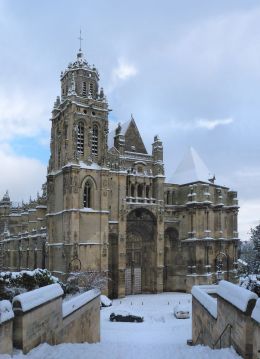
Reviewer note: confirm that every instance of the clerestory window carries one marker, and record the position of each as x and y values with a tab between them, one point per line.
80	139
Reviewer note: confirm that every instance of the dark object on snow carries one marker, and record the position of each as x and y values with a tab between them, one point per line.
125	317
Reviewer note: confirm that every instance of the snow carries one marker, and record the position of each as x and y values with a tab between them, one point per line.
6	311
201	293
160	336
243	263
256	311
238	296
111	135
191	169
105	300
37	297
77	302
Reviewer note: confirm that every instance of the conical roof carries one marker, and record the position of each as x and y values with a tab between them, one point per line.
191	169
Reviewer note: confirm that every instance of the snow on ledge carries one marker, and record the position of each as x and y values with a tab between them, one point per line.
6	311
37	297
238	296
256	311
77	302
201	293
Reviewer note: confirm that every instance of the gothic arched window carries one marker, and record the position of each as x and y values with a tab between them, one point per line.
87	195
95	140
80	138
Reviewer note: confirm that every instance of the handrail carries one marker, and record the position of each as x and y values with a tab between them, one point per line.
220	337
196	341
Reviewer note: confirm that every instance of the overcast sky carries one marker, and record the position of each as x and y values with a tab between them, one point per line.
187	70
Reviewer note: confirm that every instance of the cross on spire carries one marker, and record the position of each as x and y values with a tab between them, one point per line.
80	39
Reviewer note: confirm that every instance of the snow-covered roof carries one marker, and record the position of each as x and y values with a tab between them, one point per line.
201	293
238	296
6	311
80	63
111	135
77	302
256	311
191	169
37	297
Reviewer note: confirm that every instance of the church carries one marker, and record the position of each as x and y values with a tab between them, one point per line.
106	205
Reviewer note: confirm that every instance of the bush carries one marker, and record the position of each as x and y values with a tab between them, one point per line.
83	281
14	283
252	283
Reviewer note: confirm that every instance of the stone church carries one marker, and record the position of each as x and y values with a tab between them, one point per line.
106	205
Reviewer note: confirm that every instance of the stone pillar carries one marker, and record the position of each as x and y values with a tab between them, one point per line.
159	251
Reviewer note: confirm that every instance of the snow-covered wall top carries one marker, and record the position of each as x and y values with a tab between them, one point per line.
235	295
256	311
77	302
6	311
201	293
37	297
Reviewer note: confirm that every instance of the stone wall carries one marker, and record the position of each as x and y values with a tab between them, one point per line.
256	339
6	337
38	325
203	324
6	327
232	322
82	325
40	316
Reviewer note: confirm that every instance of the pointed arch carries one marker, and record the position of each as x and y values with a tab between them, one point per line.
88	192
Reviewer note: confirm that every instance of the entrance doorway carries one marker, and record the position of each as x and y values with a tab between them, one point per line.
140	252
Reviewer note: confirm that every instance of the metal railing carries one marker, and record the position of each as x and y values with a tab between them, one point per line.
196	341
219	340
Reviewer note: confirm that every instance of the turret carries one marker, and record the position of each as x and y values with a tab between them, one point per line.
158	167
119	140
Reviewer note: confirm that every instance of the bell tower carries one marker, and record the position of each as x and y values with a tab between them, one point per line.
79	117
77	175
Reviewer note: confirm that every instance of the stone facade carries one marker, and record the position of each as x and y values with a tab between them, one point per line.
108	207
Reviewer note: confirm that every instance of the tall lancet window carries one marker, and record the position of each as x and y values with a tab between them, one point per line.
95	140
91	89
84	88
87	195
80	138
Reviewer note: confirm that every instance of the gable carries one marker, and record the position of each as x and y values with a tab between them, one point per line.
133	138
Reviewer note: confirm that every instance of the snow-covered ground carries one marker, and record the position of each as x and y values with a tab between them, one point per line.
160	336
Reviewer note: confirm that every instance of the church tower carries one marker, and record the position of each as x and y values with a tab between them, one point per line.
77	177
